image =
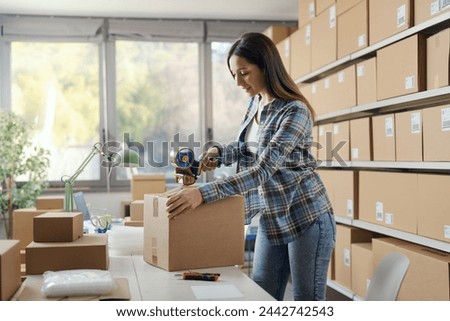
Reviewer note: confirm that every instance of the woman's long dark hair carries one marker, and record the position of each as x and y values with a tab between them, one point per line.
258	49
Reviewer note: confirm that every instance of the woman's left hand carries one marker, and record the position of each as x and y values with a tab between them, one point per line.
184	201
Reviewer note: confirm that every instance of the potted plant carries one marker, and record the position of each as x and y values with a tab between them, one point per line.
19	159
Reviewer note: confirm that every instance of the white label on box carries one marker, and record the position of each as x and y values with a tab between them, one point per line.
355	153
379	211
286	49
416	124
332	17
308	35
389	127
447	231
367	284
389	218
341	76
321	131
445	119
410	82
326	83
349	207
361	40
336	129
444	4
311	10
434	7
314	88
360	71
401	15
347	260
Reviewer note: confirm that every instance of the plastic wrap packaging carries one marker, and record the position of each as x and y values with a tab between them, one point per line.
77	283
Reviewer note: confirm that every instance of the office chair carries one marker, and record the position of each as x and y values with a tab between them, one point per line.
388	277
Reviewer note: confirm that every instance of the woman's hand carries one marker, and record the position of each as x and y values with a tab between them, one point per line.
184	201
208	159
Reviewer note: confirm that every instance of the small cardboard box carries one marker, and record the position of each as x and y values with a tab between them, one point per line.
436	134
361	139
353	30
408	138
362	268
10	278
438	59
137	210
88	252
366	81
323	38
58	227
142	184
49	202
383	137
300	52
127	221
343	89
427	9
212	235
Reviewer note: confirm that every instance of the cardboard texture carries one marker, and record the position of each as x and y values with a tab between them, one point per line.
324	38
408	138
277	32
325	142
49	202
137	210
343	89
427	9
383	137
58	227
321	5
366	81
389	17
353	30
300	52
127	221
438	59
142	184
88	252
361	139
306	11
436	134
399	74
284	48
341	141
362	268
10	278
212	235
344	5
321	97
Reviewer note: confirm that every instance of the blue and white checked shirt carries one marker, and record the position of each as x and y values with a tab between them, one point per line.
280	182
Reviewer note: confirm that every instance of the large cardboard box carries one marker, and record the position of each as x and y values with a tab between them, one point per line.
366	81
389	17
341	142
306	11
88	252
142	184
438	59
383	137
428	275
324	38
321	5
399	74
49	202
362	268
434	205
284	48
23	224
321	95
408	138
427	9
212	235
382	246
436	134
389	199
58	227
361	139
345	237
344	5
300	52
10	278
353	30
277	32
343	89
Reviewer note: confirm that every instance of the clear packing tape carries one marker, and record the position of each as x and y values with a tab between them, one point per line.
77	283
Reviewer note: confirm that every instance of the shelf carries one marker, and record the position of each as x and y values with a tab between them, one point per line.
414	238
443	18
389	165
339	288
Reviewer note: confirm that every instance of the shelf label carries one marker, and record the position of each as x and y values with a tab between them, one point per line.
361	40
355	153
312	10
401	16
336	129
379	211
445	119
389	218
360	71
416	124
332	17
308	35
389	127
341	76
350	208
444	4
347	260
447	231
410	82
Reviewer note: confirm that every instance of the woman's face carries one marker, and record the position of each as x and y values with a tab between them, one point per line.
247	76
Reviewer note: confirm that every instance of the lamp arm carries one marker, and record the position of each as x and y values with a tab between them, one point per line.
69	181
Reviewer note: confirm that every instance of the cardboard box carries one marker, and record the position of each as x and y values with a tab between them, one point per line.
137	210
58	227
362	268
427	278
434	205
344	5
383	137
399	74
389	17
49	202
341	142
438	59
300	52
343	89
366	81
408	138
389	199
306	11
142	184
324	39
278	32
321	5
127	221
212	235
284	48
345	237
328	179
382	246
361	139
353	30
321	96
23	224
88	252
427	9
10	278
331	275
325	142
436	134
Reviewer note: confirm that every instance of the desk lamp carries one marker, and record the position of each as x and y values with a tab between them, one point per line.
127	157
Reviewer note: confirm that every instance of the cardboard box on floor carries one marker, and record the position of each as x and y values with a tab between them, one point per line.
436	134
58	227
49	202
362	268
142	184
10	278
212	235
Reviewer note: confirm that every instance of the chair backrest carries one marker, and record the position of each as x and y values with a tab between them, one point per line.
388	277
80	202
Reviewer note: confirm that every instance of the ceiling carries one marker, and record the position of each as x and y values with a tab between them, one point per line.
270	10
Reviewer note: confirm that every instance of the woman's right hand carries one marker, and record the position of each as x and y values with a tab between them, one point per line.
209	160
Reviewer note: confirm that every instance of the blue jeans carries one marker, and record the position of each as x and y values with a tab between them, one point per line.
306	260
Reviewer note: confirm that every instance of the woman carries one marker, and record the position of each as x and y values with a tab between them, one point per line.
276	174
